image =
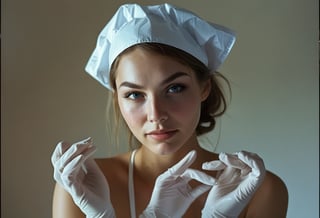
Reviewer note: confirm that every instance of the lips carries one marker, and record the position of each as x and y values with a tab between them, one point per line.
161	134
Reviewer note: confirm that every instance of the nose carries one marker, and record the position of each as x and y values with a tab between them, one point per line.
156	110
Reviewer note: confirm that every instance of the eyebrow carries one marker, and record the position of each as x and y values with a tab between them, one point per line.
167	80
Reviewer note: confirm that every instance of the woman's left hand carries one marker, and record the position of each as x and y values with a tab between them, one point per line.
240	176
172	195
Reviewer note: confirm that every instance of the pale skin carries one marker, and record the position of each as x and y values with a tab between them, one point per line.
159	98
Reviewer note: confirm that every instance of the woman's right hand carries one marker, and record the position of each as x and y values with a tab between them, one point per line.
77	172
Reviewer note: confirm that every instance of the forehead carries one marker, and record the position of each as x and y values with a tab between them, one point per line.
145	64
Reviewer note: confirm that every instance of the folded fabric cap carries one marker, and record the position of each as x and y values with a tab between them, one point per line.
133	24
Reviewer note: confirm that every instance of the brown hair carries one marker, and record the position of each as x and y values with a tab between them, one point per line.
213	107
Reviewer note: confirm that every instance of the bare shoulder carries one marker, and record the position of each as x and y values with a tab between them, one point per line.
113	167
270	200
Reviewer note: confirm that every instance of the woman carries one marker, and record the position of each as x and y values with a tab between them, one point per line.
160	63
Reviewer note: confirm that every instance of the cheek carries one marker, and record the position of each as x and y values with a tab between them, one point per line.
131	115
187	108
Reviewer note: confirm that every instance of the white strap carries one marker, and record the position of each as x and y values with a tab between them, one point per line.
131	186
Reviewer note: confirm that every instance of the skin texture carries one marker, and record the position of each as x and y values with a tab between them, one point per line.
156	93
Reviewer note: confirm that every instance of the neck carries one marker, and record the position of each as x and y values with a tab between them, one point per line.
151	165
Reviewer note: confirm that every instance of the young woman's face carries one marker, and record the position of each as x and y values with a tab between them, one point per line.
160	100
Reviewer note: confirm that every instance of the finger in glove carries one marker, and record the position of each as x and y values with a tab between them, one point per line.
61	165
61	148
70	173
232	160
254	162
75	150
206	180
213	165
202	177
183	164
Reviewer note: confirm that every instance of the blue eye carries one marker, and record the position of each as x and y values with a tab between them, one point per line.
176	88
133	95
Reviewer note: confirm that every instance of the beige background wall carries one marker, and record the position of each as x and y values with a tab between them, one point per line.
46	96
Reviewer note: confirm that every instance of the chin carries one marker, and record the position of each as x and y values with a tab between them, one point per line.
165	149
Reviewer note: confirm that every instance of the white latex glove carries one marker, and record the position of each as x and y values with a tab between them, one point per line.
172	195
242	174
76	171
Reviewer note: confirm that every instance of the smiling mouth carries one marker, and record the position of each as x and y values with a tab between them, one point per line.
162	135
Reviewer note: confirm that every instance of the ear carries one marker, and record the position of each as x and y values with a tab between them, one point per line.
205	90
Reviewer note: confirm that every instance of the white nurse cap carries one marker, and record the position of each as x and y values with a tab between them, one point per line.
133	24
